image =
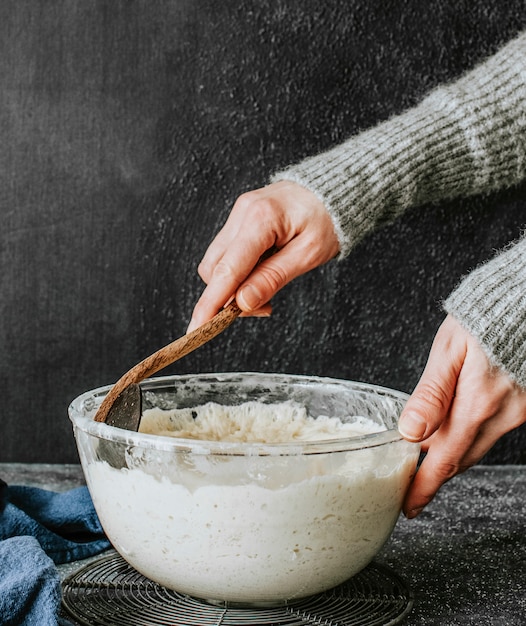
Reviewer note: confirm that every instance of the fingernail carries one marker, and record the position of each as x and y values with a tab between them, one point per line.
191	326
412	426
414	513
249	298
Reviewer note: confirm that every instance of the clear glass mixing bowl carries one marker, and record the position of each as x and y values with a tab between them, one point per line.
248	523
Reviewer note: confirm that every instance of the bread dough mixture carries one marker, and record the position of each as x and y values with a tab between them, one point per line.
254	528
252	422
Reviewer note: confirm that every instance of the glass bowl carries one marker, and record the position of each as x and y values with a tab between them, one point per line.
238	523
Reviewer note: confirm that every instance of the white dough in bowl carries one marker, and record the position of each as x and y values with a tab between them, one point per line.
254	528
252	422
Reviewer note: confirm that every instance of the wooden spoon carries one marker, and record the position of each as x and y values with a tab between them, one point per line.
122	405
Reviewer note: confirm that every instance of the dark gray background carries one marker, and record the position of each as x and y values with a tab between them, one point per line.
128	129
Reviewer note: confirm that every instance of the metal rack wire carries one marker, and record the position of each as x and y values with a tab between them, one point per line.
109	592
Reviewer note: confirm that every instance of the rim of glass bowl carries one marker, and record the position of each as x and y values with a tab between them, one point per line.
83	408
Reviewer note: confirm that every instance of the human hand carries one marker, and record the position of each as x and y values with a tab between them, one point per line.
458	410
283	216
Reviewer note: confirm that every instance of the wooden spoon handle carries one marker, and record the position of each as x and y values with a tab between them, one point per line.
169	354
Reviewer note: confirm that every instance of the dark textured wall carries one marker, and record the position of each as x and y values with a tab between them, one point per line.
127	131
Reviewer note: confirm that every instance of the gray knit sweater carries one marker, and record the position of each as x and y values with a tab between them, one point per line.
465	138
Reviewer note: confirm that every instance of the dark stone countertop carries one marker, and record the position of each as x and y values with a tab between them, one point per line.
464	557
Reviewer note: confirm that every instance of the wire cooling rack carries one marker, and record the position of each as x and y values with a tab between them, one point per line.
109	592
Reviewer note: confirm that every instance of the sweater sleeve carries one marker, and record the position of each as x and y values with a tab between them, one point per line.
491	304
465	138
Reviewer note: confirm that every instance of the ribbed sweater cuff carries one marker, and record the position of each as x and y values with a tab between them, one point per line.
491	304
465	138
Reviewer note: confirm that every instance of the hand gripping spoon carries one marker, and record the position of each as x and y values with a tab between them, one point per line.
122	406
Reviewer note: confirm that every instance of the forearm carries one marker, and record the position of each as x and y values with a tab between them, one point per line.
465	138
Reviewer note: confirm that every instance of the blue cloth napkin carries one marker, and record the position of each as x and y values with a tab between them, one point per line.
39	529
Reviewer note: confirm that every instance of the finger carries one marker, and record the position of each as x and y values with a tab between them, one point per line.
229	273
425	485
221	242
447	455
299	256
264	282
264	311
431	399
485	407
251	220
460	443
483	411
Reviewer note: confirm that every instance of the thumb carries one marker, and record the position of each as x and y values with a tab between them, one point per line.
431	399
261	286
271	275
